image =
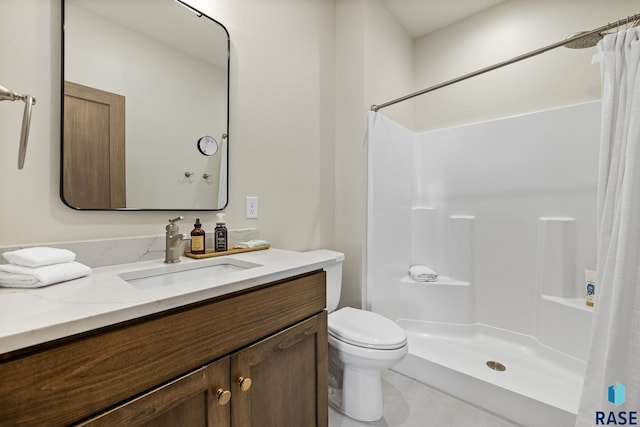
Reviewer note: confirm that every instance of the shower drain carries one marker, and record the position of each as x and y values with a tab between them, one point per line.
496	366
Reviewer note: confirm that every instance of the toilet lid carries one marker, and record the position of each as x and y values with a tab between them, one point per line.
366	329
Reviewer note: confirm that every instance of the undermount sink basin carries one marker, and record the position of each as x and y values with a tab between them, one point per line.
173	274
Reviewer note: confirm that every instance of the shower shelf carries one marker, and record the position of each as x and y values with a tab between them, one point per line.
442	281
577	303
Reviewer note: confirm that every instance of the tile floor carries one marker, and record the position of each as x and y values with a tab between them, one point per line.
408	403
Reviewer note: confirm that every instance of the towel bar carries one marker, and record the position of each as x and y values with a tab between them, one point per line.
29	101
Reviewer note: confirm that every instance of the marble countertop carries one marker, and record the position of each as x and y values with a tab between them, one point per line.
34	316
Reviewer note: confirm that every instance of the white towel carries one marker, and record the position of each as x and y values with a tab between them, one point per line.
17	276
421	273
39	256
251	244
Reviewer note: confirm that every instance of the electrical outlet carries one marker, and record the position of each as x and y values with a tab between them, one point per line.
252	207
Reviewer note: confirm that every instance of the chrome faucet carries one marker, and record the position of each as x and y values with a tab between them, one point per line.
173	239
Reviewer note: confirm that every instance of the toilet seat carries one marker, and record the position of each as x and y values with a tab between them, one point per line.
365	329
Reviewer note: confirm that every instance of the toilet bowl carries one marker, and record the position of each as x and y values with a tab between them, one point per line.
361	345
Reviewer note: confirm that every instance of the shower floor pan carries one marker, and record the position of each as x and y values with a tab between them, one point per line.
537	387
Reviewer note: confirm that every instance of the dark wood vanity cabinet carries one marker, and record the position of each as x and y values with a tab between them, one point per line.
200	398
284	376
253	358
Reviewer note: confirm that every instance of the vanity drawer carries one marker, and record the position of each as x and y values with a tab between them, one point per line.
70	381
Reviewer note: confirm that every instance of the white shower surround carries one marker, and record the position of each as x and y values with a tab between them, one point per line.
505	211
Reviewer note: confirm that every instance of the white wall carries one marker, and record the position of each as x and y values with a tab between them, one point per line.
281	129
559	77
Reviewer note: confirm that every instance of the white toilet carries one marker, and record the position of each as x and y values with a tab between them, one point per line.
361	345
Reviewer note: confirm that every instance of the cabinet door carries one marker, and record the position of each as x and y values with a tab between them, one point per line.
197	399
281	381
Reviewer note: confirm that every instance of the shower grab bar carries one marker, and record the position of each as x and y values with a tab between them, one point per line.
580	36
29	102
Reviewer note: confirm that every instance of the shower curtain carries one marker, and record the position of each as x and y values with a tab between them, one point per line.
612	380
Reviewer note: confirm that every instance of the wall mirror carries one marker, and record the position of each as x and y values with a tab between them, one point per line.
145	106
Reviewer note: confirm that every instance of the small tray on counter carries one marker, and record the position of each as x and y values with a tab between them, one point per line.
210	253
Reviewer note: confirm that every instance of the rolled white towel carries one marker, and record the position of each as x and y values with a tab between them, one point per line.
251	244
39	256
421	273
17	276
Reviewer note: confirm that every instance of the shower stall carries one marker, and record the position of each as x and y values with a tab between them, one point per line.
504	212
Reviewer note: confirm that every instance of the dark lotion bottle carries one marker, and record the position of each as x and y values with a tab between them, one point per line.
220	239
197	238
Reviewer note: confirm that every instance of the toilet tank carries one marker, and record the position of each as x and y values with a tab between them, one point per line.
334	277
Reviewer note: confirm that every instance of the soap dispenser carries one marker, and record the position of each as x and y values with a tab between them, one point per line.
220	239
197	238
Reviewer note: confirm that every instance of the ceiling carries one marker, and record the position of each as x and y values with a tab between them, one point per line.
420	17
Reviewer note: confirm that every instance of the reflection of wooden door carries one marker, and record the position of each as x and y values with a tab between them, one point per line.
93	148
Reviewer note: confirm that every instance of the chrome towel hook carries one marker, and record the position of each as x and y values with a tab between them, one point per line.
29	101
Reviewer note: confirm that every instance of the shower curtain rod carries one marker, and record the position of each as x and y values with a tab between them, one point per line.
579	36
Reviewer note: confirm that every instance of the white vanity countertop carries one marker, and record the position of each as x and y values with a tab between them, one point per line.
34	316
